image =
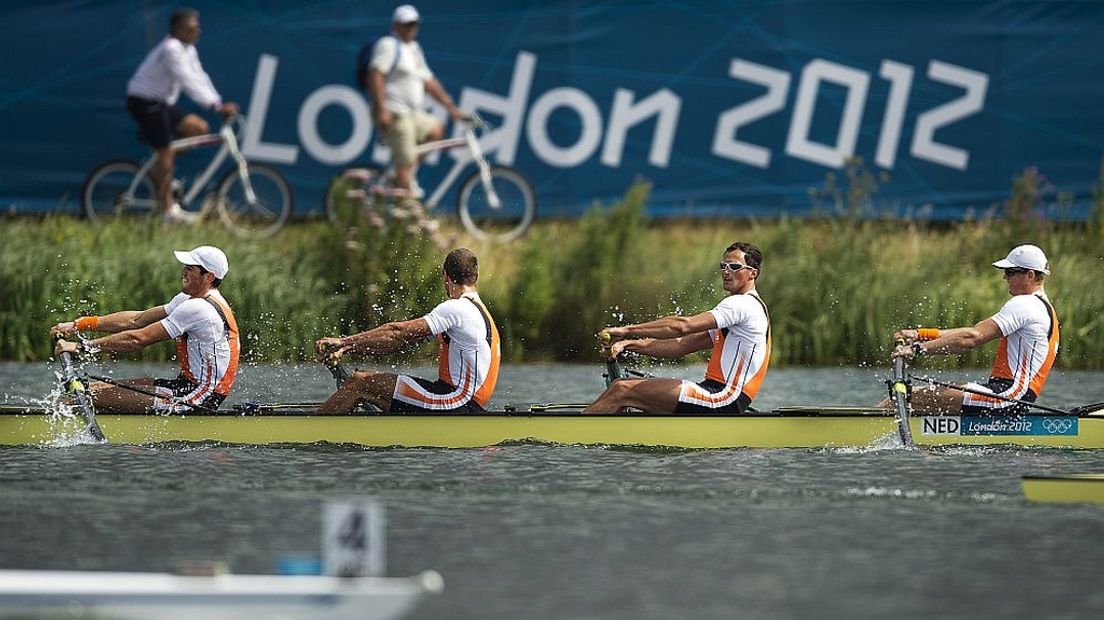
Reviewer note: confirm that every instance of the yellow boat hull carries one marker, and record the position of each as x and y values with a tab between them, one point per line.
1067	489
784	428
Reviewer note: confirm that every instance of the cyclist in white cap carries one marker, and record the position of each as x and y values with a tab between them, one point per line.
1027	327
397	78
198	318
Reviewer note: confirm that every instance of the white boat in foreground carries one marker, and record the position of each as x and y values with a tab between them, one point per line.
164	596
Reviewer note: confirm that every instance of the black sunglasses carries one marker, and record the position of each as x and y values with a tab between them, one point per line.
734	267
1014	271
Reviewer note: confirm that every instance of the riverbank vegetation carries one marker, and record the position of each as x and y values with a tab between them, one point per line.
837	288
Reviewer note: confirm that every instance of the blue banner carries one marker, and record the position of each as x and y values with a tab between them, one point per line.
728	108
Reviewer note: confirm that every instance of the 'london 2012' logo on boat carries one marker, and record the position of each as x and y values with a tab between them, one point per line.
1007	425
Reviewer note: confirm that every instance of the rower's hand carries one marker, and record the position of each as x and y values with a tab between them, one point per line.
903	351
907	336
329	350
227	110
65	328
617	348
66	346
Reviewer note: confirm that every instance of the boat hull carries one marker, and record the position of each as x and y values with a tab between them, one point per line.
783	428
1067	489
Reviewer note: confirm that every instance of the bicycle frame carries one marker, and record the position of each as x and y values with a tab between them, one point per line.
474	154
229	141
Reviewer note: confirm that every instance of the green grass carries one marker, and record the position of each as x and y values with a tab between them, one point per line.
836	289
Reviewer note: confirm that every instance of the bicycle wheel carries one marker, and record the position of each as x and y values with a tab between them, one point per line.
342	200
104	193
259	218
508	221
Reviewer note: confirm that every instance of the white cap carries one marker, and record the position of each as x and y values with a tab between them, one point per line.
405	14
1025	257
207	256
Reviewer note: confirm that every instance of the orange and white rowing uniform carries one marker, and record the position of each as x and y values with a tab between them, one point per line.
741	353
467	361
1025	354
207	344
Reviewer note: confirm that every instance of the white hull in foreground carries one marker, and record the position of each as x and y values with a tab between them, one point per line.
220	597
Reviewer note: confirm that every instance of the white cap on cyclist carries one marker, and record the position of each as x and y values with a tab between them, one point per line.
207	256
405	14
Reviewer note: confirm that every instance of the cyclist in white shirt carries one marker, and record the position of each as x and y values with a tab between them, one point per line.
152	92
467	360
737	330
198	318
1027	327
398	80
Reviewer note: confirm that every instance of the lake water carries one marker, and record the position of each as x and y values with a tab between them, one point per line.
537	531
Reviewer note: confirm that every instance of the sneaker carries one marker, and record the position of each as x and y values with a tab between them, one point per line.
177	215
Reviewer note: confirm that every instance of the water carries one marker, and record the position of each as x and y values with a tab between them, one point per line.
535	531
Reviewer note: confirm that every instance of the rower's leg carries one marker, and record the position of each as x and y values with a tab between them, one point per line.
373	387
114	399
935	400
649	395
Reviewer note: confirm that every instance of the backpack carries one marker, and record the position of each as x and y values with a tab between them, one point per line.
364	61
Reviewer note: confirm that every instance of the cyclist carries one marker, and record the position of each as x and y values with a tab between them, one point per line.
152	93
397	80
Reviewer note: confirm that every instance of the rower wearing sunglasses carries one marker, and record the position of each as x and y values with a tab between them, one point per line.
737	330
1028	330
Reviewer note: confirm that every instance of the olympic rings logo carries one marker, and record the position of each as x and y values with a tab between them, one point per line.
1058	426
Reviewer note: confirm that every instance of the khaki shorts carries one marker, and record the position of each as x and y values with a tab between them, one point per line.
406	132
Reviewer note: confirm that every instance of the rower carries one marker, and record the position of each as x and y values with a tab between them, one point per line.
200	320
1027	326
468	356
737	330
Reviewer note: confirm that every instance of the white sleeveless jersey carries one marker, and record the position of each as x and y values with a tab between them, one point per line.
206	345
1026	351
741	352
468	357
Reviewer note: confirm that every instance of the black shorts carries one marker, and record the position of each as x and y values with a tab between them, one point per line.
433	387
739	406
182	387
157	120
998	386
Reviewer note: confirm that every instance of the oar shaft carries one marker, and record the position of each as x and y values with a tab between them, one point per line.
898	391
84	400
1006	399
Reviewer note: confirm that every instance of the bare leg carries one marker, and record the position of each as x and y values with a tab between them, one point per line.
650	395
931	400
373	387
112	399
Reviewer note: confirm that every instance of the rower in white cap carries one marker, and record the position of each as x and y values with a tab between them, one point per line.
1028	330
198	318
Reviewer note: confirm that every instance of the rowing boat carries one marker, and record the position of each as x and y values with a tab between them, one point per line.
1067	489
785	427
217	597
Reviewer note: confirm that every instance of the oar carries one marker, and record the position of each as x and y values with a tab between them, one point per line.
339	372
613	366
898	392
84	399
962	388
147	393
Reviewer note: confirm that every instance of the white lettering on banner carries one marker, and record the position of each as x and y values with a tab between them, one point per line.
900	84
923	144
589	138
857	82
512	112
725	143
662	104
252	146
798	143
357	108
503	141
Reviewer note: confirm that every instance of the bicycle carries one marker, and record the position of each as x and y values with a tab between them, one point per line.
252	199
494	202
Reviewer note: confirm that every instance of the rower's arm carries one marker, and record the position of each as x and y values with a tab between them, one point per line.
388	338
962	339
130	340
670	348
669	327
126	320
